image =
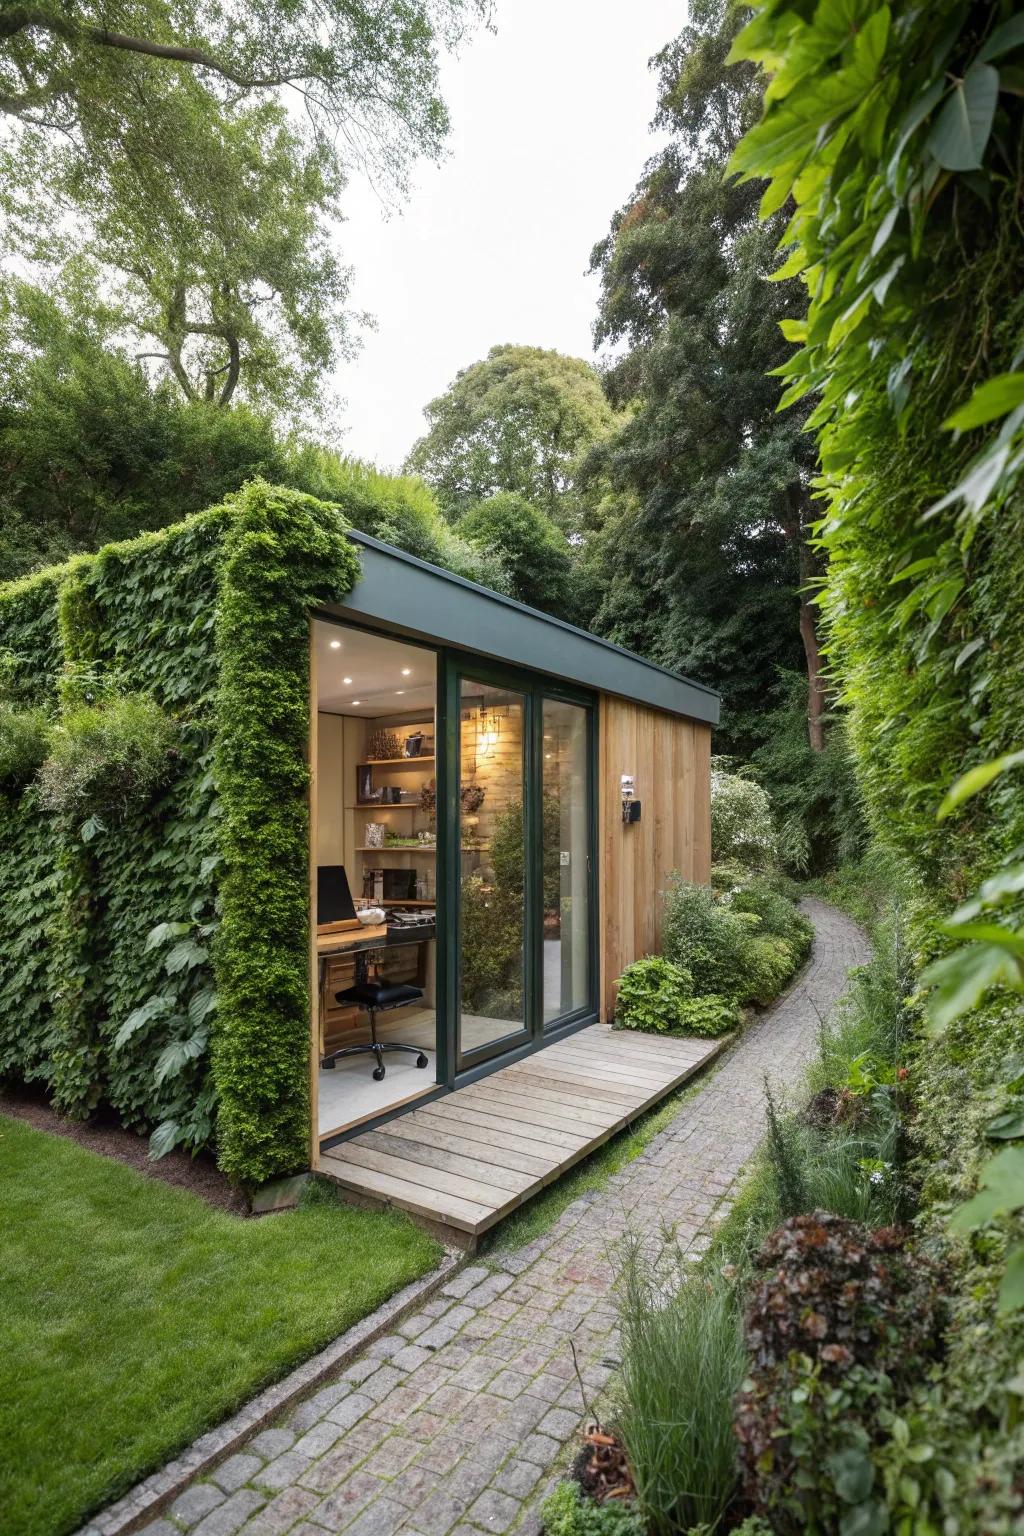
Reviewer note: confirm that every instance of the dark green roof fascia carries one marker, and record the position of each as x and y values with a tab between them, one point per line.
410	597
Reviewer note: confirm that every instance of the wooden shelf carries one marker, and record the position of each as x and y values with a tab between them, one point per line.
392	762
419	848
379	805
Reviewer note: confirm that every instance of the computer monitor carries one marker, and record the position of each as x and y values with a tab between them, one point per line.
333	898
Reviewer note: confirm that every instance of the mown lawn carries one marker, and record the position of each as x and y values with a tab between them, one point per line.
134	1316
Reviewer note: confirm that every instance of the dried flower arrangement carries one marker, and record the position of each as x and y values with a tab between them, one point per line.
472	798
383	745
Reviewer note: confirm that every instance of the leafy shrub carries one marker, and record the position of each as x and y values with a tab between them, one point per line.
768	964
779	917
723	945
707	938
833	1297
24	742
490	948
652	994
741	818
107	758
566	1512
708	1015
683	1361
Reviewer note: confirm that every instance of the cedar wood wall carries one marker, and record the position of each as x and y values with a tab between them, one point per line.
670	759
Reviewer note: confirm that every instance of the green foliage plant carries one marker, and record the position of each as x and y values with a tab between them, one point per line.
567	1511
24	743
741	819
106	758
162	962
651	996
683	1361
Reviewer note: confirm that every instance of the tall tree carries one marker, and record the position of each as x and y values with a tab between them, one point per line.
705	562
197	154
531	548
519	420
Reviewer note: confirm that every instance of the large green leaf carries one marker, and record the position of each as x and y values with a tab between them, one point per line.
961	132
976	779
1011	1289
959	981
997	397
1003	40
1000	1192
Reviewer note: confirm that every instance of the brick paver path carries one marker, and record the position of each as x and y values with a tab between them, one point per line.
455	1423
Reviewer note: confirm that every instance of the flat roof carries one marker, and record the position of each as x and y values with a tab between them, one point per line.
410	597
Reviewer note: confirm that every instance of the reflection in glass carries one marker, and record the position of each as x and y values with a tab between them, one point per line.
565	859
493	858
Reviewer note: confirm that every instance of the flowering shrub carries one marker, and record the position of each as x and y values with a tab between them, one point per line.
741	819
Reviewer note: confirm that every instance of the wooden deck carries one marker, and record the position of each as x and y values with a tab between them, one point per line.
468	1159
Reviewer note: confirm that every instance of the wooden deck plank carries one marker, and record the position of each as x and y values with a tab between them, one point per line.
418	1128
414	1172
499	1124
638	1077
410	1197
476	1136
524	1108
602	1087
542	1092
471	1157
460	1162
605	1099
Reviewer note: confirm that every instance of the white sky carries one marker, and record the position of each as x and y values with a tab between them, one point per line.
550	133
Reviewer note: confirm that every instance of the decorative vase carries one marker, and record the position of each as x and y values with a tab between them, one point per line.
376	831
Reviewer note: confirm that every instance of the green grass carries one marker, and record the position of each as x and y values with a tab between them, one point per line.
135	1316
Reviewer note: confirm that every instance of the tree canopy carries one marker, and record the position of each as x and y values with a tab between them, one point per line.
519	420
534	553
705	548
196	156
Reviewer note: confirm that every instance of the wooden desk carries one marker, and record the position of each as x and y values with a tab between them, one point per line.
356	943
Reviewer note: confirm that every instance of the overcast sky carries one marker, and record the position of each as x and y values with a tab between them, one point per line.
550	133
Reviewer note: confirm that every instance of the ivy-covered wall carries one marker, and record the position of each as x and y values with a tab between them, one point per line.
157	958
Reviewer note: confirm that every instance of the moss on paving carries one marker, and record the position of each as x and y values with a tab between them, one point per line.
136	1316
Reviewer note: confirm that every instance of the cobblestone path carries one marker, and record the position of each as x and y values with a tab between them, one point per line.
456	1422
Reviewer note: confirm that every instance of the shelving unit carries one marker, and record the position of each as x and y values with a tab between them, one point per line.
411	775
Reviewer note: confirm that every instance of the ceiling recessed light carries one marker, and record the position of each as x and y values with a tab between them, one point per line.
335	645
406	671
347	681
357	701
399	692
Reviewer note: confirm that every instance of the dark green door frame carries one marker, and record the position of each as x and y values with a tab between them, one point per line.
454	665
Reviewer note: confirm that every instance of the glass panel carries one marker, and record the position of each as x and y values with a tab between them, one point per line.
492	947
565	838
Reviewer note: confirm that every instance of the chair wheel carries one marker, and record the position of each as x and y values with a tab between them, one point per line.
378	1074
421	1060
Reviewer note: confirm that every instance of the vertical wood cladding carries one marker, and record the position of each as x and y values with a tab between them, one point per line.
670	760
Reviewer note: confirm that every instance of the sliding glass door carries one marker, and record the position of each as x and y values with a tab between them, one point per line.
566	858
520	860
493	972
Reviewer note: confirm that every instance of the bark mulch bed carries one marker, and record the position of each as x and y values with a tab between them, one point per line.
200	1174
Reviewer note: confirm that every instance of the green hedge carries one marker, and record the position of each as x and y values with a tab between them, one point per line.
159	960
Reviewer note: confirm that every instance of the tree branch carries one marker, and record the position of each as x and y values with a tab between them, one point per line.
22	18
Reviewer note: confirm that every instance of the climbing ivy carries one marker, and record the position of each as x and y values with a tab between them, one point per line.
158	959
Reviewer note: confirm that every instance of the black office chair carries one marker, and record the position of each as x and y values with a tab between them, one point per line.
378	997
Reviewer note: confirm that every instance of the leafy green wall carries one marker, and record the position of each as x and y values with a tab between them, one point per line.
893	135
159	961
